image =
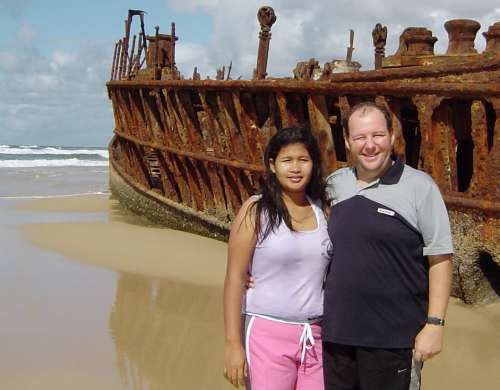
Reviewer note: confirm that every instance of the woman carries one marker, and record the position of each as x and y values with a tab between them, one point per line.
281	237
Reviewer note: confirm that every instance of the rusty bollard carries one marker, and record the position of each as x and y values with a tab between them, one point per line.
266	17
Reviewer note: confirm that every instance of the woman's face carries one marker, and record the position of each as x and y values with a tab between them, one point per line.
293	167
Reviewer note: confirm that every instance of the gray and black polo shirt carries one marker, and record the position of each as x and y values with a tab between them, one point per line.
376	291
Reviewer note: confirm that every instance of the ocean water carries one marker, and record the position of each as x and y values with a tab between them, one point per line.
33	171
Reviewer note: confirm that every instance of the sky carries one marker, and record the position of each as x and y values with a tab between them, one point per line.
55	56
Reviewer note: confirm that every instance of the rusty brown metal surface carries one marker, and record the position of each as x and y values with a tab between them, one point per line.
266	19
379	35
461	36
200	142
457	89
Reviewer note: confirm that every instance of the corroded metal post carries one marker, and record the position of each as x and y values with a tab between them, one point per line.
493	159
157	68
141	47
266	18
461	34
172	48
379	35
119	62
114	62
131	58
125	48
419	41
493	38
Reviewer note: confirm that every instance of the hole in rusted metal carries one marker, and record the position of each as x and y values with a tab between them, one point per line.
297	109
154	169
136	98
490	270
261	104
196	101
461	118
411	132
491	118
337	128
151	102
274	111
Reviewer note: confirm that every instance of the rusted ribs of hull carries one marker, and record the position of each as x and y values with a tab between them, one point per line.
193	131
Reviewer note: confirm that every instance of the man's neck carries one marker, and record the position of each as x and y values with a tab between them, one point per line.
364	178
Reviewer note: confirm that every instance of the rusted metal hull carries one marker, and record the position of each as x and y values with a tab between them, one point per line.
187	153
161	210
196	148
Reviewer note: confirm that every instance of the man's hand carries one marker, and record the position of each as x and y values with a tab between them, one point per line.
429	342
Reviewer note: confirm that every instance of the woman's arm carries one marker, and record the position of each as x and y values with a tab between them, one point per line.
242	241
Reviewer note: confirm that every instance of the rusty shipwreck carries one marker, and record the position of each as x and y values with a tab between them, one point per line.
187	152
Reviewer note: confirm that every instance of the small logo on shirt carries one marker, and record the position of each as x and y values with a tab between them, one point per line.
386	211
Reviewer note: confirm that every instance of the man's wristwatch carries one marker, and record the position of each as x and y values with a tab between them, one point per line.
435	321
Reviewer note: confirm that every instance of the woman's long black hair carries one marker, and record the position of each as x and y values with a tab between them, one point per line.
271	205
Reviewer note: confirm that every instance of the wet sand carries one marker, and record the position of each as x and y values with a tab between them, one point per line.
166	318
80	204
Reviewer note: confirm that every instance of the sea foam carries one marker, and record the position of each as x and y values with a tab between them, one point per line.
68	162
50	150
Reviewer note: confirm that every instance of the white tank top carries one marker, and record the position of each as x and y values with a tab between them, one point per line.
289	269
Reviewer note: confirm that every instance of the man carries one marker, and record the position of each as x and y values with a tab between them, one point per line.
387	290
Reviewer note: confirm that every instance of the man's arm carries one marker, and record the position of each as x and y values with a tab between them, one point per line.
429	341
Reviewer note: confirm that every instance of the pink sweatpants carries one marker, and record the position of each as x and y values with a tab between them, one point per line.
274	354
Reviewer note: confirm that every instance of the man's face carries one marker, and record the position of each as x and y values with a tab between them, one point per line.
370	143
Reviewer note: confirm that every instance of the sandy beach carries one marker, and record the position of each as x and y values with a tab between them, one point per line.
166	318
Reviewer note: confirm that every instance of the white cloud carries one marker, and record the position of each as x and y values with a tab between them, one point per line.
60	59
189	55
57	98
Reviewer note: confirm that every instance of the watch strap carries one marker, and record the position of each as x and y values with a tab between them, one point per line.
435	321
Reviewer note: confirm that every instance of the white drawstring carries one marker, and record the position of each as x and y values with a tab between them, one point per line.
306	338
307	335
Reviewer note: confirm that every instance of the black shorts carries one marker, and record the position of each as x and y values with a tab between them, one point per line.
359	368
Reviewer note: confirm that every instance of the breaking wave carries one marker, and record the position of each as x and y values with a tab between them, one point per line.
33	156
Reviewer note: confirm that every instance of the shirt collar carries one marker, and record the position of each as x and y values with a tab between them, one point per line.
393	174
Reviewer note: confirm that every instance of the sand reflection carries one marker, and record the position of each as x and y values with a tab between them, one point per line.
167	334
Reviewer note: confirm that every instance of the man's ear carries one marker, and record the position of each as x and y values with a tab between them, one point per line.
271	165
347	147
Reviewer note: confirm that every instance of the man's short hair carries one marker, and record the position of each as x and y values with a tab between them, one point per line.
365	107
